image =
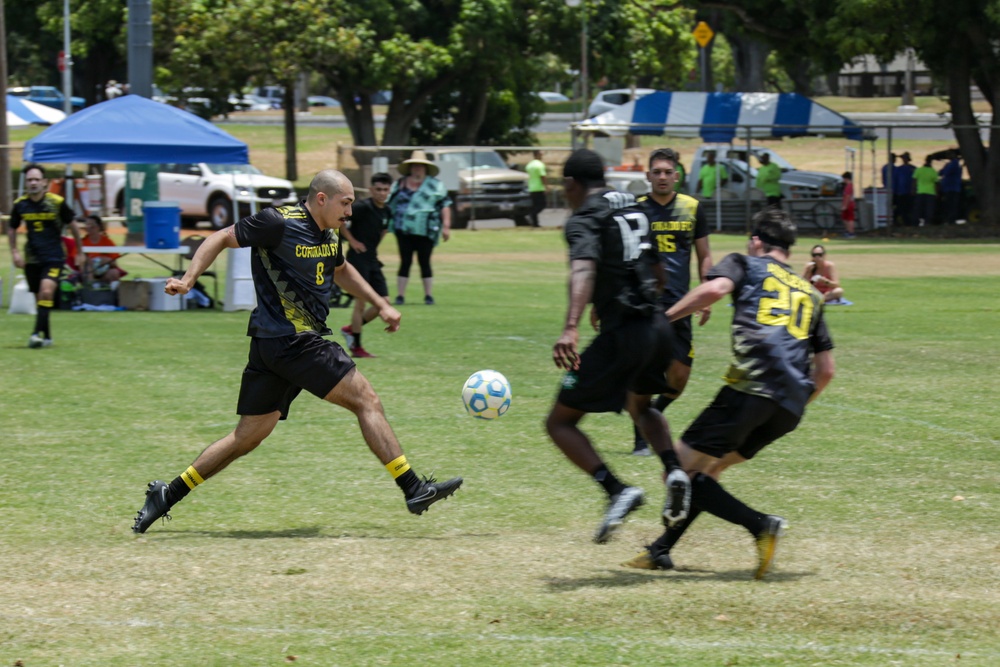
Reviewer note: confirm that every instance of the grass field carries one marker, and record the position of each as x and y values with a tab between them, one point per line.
303	551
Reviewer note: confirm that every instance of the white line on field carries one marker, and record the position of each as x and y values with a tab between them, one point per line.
975	437
581	639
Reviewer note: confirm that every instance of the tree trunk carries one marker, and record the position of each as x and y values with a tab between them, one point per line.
798	72
983	163
749	59
359	119
470	118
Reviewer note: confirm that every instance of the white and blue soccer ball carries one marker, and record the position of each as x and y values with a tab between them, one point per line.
486	395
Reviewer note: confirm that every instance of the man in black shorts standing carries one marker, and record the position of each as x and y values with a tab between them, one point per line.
612	265
677	224
369	224
296	256
783	359
45	215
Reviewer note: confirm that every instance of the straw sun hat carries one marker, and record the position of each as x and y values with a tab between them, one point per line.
418	157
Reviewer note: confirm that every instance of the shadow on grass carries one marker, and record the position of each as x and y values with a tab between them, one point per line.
308	532
629	577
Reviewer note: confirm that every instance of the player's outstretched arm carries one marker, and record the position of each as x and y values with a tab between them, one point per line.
203	258
348	278
822	372
701	297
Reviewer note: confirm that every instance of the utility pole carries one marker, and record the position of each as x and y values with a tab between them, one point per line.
5	184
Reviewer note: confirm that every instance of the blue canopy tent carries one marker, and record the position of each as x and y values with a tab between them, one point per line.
722	117
135	130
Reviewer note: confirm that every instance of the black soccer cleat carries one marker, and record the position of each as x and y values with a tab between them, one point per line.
156	506
620	506
430	492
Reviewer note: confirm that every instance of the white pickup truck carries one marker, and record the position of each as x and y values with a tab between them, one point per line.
207	191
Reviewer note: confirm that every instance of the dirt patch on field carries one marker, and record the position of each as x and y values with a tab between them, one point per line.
851	266
913	265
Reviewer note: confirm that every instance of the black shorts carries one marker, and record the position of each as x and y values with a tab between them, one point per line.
371	271
279	368
632	357
739	422
35	273
683	345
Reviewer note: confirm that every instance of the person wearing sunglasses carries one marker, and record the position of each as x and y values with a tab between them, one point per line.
823	274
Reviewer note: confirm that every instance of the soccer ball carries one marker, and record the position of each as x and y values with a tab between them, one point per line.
486	395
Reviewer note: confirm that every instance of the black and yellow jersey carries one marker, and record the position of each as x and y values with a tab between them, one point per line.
292	264
674	229
777	326
44	222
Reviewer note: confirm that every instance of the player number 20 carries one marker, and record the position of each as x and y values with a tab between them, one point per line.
791	309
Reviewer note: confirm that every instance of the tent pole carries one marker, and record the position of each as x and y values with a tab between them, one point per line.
890	195
749	184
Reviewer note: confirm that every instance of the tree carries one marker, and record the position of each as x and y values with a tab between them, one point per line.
957	41
97	29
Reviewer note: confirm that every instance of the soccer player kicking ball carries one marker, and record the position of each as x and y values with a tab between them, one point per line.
783	360
297	255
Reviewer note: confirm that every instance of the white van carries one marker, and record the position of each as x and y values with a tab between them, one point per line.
607	100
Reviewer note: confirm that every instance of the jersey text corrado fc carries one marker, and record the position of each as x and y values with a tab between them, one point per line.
44	221
673	229
292	263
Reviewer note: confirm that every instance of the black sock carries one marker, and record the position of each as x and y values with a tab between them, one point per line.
612	485
43	307
666	542
640	442
357	339
707	494
409	483
177	490
663	402
670	460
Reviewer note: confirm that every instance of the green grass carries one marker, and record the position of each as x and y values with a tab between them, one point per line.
304	548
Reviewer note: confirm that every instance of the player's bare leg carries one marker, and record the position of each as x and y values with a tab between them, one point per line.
356	394
250	431
562	425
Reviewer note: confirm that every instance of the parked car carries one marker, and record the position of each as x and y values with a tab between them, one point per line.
251	103
322	101
487	187
550	97
795	183
606	100
206	191
50	96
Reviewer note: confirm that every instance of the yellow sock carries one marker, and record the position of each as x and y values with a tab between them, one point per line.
397	466
191	477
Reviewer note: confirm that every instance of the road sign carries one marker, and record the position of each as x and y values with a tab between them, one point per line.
703	34
61	61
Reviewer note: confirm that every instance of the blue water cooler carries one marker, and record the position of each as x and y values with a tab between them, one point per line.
163	224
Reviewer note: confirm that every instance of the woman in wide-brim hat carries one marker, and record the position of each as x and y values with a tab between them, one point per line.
418	157
421	214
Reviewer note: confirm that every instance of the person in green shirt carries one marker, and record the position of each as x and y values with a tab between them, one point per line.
707	176
536	186
769	180
925	182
